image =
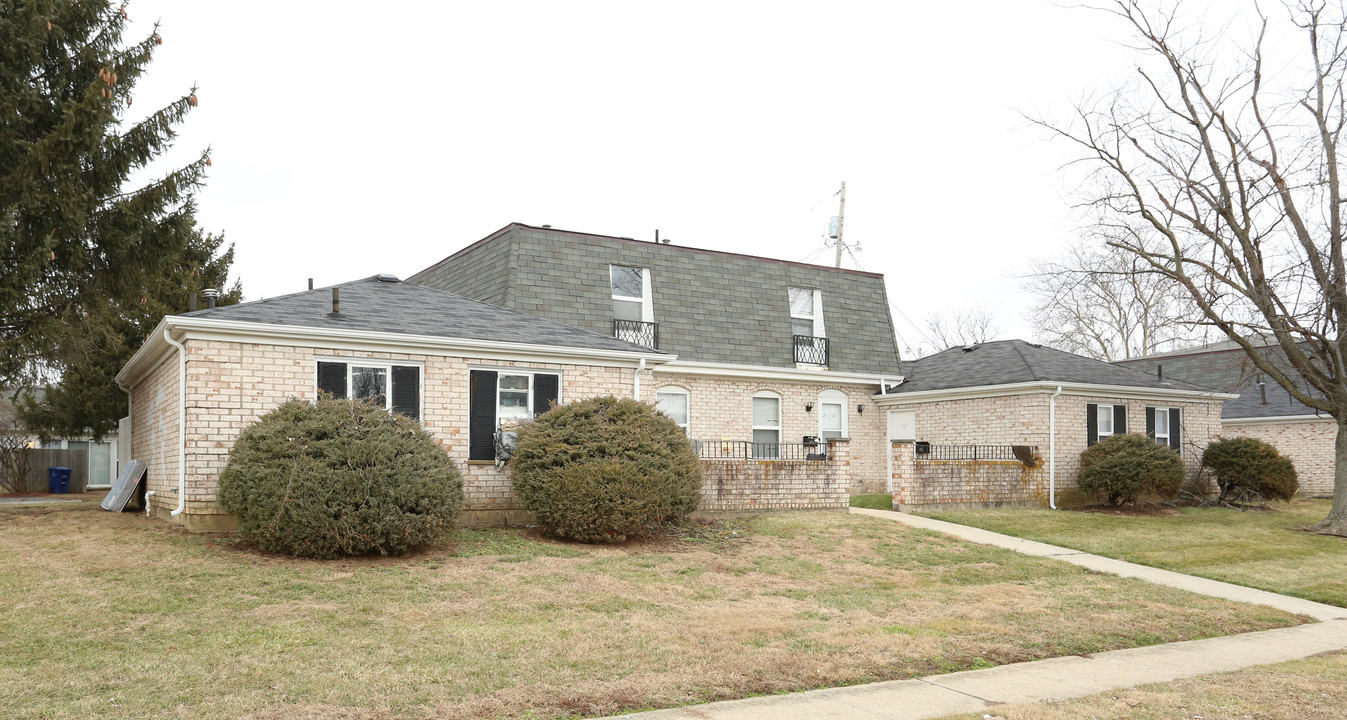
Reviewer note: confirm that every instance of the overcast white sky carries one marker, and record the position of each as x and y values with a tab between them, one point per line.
381	137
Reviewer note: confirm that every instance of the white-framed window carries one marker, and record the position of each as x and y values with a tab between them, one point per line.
673	401
394	385
766	424
832	414
1162	426
806	313
631	293
514	394
1104	413
505	397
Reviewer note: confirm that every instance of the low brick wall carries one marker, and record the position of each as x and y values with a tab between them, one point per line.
755	485
965	483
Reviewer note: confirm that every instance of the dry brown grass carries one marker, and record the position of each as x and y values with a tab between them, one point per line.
1312	689
116	616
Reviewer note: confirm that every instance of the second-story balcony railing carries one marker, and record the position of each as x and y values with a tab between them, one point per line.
634	331
811	350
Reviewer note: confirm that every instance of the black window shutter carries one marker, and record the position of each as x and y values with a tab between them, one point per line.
1119	419
1174	425
1091	424
332	378
406	390
482	416
545	389
1150	423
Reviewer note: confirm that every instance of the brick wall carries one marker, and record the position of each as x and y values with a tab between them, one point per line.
965	483
722	409
1024	420
1309	445
749	485
231	384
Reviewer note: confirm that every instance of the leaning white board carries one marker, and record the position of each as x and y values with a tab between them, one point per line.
125	487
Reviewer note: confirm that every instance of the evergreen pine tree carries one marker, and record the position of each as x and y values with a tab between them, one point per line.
90	262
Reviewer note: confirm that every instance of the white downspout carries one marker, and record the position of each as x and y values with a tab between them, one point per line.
182	424
636	381
1052	449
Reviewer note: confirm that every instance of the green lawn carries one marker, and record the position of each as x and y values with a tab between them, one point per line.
1255	548
119	616
879	501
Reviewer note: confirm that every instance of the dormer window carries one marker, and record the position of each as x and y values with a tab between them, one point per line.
633	314
806	325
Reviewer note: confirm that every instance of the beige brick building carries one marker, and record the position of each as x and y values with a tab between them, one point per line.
203	377
1258	407
972	405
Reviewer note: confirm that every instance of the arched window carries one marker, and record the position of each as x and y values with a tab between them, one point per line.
832	414
673	401
766	424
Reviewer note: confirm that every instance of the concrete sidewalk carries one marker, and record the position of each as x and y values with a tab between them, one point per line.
1201	586
1042	680
974	691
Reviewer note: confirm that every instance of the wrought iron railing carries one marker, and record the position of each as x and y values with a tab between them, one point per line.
748	450
635	331
811	350
926	451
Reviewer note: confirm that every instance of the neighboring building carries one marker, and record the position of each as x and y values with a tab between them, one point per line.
766	350
1263	408
101	456
971	405
457	365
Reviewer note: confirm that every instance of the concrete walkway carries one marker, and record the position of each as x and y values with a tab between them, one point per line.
1201	586
1048	680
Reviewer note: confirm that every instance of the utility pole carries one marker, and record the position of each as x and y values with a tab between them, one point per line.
841	220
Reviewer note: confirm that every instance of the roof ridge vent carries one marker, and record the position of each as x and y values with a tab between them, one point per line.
387	277
970	347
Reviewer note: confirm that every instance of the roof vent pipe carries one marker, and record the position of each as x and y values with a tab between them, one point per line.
336	301
310	283
1262	391
210	295
1160	372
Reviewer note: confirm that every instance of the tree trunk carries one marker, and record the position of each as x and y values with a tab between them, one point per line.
1336	522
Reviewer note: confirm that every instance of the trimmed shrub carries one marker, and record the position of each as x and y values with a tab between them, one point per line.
1122	468
336	478
604	469
1243	465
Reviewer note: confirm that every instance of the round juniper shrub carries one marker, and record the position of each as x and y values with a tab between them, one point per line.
1250	465
605	469
335	477
1122	468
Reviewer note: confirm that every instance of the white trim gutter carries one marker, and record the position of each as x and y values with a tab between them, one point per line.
1275	419
182	424
266	334
762	372
1052	449
1117	391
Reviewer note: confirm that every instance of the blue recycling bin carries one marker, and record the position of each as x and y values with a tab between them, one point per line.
58	480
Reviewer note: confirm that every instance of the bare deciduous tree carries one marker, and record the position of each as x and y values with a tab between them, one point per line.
14	454
967	326
1107	304
1225	179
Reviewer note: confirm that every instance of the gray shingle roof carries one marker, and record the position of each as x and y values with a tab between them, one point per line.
1006	362
711	305
372	305
1225	366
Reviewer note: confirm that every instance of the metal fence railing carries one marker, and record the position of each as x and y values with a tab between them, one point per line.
634	331
748	450
1022	453
811	350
